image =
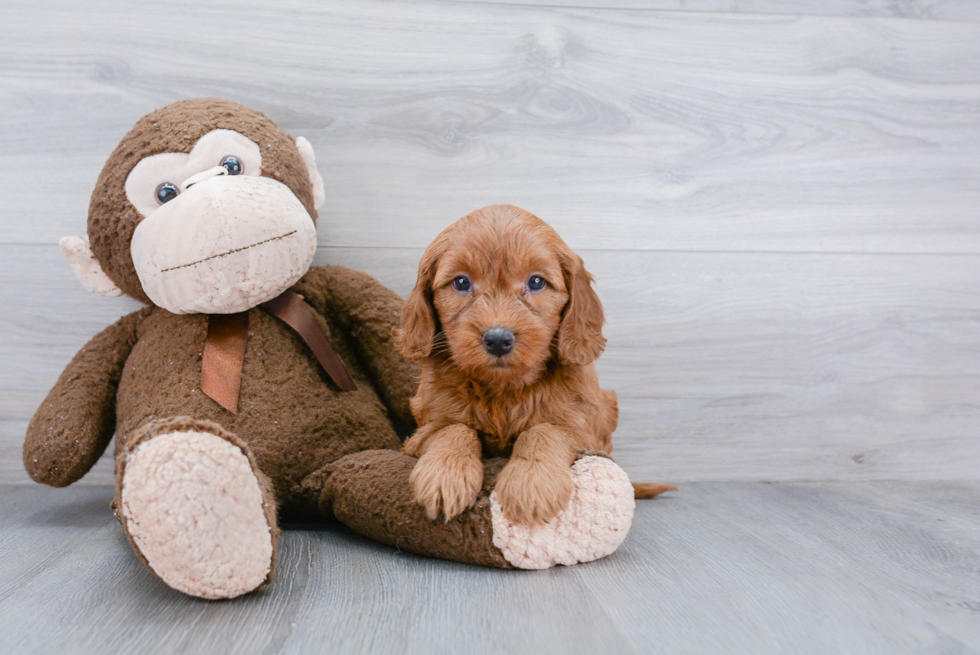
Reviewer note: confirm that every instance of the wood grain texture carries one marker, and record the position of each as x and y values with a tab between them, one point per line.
689	131
780	210
715	568
958	10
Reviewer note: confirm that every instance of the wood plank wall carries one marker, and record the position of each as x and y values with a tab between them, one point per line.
779	200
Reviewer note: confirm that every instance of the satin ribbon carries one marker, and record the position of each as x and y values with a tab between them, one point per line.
224	350
224	354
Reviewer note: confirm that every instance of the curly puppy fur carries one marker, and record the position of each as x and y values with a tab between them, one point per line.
540	403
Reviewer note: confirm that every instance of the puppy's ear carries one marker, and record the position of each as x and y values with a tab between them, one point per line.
414	339
580	339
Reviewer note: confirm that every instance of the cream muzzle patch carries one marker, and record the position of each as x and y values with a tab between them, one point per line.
224	245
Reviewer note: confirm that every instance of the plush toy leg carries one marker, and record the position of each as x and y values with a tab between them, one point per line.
369	492
196	509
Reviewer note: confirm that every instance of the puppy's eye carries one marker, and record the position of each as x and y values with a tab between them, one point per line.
166	192
233	165
536	283
461	284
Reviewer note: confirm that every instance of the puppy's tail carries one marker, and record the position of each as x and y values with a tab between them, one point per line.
650	490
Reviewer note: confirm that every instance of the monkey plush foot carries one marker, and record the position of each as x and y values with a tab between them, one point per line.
197	513
370	492
593	525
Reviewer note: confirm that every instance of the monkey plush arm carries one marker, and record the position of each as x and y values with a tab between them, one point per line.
369	312
74	424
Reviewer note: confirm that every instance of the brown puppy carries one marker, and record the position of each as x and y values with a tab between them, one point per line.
506	326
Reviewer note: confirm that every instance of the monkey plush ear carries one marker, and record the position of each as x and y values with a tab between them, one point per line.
86	267
306	152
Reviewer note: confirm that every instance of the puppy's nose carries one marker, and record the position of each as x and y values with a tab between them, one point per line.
498	341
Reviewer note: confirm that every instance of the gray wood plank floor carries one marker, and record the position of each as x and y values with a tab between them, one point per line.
887	567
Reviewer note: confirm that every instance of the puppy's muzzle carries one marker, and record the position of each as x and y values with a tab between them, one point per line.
498	341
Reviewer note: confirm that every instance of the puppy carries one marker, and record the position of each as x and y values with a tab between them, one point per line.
506	326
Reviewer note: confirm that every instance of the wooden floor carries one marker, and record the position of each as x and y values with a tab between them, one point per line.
778	198
874	567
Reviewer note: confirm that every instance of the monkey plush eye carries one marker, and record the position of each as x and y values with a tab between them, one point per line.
536	283
461	284
167	192
233	165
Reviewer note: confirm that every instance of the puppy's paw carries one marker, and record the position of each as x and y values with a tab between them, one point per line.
449	482
532	493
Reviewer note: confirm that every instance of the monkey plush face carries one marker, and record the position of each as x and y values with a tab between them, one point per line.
206	206
216	236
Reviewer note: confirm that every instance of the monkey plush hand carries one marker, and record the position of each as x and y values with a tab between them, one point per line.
251	384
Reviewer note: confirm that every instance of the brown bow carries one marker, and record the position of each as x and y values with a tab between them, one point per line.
224	350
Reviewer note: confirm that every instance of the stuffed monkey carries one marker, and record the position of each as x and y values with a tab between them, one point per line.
253	384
